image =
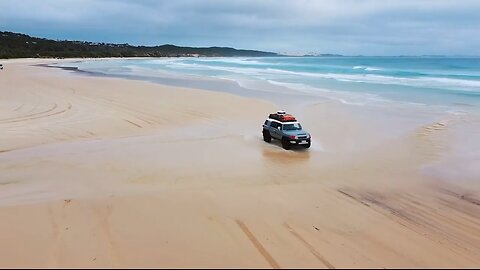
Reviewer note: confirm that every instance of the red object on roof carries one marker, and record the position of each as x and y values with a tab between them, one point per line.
283	117
288	117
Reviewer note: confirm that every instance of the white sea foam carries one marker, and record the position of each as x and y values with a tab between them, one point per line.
428	82
271	73
367	68
233	60
457	112
349	98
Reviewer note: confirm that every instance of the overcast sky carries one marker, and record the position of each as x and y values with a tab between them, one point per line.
369	27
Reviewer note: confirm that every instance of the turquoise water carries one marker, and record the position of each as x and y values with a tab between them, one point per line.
451	82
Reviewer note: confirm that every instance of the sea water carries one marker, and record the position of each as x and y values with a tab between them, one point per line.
451	82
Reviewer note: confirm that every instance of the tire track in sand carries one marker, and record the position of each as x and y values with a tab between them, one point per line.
309	247
8	120
59	229
22	119
103	214
257	244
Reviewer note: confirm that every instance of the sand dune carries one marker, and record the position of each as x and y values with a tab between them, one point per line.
103	172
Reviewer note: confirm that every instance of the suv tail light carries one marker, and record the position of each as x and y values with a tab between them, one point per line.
291	137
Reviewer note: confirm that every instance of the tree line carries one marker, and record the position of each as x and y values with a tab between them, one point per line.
17	45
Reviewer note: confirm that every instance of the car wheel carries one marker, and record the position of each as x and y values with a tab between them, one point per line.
308	144
266	136
286	144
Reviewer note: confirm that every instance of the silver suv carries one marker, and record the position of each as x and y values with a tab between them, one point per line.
286	129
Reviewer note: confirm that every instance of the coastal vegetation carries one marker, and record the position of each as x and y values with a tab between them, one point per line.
16	45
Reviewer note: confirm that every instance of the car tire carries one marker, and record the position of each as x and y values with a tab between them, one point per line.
308	144
266	136
286	144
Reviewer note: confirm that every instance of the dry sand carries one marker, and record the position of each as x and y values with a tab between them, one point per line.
103	172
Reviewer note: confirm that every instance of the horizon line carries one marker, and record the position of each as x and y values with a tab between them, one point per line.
280	54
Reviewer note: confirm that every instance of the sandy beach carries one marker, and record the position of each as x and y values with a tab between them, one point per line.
109	172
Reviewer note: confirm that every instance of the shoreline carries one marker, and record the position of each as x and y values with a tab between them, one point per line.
218	85
280	92
126	173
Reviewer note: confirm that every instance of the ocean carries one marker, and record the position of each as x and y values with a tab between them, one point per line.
451	83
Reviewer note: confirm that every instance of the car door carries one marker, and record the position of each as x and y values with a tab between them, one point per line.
272	128
276	130
280	131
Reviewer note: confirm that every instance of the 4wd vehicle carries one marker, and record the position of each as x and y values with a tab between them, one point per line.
287	129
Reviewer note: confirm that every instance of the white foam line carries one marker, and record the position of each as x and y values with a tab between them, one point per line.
429	82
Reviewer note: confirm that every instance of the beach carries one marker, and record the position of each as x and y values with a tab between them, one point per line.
99	171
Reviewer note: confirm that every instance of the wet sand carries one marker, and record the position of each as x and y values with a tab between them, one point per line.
107	172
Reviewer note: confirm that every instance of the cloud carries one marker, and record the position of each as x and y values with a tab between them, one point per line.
334	26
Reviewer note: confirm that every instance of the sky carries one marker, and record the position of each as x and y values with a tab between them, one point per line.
349	27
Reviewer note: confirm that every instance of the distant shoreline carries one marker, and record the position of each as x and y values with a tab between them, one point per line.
279	55
17	45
